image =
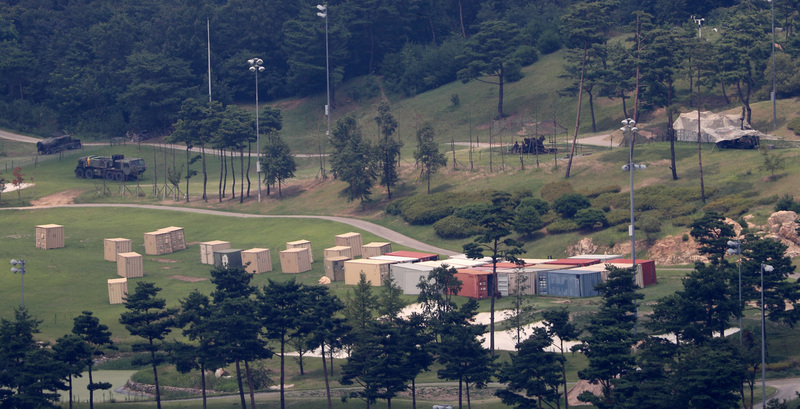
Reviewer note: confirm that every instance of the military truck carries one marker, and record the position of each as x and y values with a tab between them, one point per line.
115	167
57	144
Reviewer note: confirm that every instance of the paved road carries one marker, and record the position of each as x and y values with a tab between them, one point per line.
378	230
786	390
18	137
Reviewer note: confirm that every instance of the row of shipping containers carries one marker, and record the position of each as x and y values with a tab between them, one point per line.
571	277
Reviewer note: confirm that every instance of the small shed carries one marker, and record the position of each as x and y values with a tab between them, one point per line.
208	248
334	267
301	244
117	290
257	260
295	260
338	251
475	284
228	258
408	275
568	283
414	254
375	249
351	240
49	236
112	247
375	270
130	265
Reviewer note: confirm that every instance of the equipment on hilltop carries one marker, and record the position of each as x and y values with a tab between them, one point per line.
115	167
57	144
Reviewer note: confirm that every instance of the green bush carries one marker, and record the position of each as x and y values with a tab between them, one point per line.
730	206
540	205
549	42
559	226
590	218
768	200
601	190
472	211
526	54
618	216
794	125
569	204
649	223
454	227
787	202
682	221
553	190
527	220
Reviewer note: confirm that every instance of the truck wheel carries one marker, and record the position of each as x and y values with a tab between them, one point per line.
109	175
88	174
118	176
79	173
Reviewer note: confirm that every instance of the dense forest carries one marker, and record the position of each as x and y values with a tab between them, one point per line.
101	67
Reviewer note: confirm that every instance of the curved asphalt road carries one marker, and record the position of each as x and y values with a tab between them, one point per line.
373	228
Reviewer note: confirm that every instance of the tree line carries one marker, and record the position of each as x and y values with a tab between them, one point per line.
95	68
239	324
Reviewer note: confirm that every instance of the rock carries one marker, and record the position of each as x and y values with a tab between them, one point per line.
324	280
781	218
737	228
584	246
672	250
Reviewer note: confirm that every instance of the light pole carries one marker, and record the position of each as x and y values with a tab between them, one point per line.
629	128
768	268
323	13
256	67
19	267
735	247
699	22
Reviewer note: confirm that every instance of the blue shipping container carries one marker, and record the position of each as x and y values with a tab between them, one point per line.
568	283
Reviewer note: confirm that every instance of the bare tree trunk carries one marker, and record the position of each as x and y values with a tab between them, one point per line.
591	108
241	167
699	145
241	387
205	174
203	383
578	116
249	159
250	385
327	382
221	189
460	16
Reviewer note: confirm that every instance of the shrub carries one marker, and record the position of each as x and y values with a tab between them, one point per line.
540	205
472	211
526	54
527	220
427	209
731	206
590	218
549	42
618	216
649	223
559	226
554	190
601	190
454	227
786	202
569	204
395	207
455	100
794	125
682	221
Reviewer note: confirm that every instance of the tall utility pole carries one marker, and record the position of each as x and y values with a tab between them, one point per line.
256	67
774	86
323	12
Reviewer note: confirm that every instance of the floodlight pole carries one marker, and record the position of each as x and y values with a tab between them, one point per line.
256	67
774	86
735	247
767	268
323	13
629	127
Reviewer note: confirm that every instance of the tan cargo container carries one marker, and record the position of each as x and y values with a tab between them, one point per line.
352	240
208	248
130	265
177	237
112	247
338	251
295	260
334	268
375	249
49	236
164	241
375	270
301	244
260	260
117	290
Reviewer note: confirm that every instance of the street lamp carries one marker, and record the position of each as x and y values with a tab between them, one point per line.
256	67
19	267
629	128
323	13
735	247
699	22
768	268
774	87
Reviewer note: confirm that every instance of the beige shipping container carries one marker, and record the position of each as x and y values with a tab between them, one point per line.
49	236
301	244
130	265
157	242
117	290
334	268
177	237
352	240
338	251
208	248
295	260
112	247
260	260
375	249
375	270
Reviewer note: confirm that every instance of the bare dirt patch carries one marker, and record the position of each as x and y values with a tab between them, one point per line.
164	260
188	279
57	199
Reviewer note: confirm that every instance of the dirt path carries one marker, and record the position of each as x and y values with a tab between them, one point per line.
373	228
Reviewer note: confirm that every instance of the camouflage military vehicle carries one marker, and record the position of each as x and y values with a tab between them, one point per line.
115	167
